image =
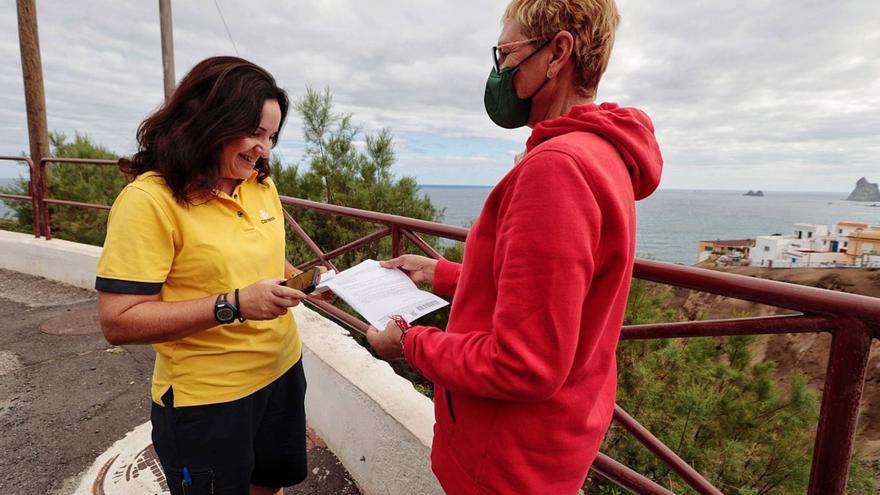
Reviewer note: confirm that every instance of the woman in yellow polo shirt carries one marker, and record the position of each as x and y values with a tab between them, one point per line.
192	264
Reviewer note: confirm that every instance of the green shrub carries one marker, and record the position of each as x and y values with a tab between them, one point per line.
710	402
340	174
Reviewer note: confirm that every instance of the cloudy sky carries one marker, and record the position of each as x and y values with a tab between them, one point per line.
773	95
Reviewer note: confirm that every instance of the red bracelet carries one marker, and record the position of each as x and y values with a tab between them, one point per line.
402	325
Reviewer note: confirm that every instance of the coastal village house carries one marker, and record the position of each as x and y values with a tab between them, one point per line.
847	244
725	251
847	228
864	247
769	248
810	237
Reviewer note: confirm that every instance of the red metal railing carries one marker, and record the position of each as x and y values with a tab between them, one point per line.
852	320
45	200
33	191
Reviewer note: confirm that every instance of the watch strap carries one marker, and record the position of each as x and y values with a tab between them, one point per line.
237	308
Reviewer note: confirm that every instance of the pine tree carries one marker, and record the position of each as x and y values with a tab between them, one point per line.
710	402
338	173
98	184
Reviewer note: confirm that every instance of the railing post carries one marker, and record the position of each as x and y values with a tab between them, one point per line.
36	202
42	172
396	242
841	397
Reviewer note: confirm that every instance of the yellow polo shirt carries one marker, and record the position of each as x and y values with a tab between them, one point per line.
155	245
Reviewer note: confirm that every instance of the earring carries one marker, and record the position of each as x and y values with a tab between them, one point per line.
550	73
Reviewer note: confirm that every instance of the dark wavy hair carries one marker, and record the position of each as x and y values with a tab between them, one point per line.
220	99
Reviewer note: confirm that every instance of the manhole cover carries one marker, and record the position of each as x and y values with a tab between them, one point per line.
83	322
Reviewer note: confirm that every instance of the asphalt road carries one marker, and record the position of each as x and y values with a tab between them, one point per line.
65	399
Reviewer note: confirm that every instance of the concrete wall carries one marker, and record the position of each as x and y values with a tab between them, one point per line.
825	259
375	422
64	261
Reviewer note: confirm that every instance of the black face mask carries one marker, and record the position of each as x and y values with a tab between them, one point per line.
503	105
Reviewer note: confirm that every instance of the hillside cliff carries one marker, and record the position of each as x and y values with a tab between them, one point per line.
805	352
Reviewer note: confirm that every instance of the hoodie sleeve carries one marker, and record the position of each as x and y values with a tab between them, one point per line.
544	261
446	277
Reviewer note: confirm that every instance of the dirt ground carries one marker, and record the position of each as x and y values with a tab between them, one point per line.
806	352
64	399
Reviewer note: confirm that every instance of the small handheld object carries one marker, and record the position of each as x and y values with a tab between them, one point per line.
304	282
187	480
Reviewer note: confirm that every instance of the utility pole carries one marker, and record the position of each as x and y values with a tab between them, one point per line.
167	46
32	71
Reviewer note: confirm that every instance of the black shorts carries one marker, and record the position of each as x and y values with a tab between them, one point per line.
259	439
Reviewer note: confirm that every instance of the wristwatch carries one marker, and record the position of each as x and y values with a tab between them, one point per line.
225	311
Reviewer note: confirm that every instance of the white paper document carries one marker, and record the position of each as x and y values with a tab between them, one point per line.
377	293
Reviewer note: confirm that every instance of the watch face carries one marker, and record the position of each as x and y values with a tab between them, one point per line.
225	315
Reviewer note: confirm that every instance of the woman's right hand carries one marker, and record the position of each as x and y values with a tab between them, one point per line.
266	299
420	269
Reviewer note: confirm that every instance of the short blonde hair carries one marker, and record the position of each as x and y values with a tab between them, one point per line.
592	23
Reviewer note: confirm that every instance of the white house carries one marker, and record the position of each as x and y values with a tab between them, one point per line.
769	250
810	237
810	245
814	245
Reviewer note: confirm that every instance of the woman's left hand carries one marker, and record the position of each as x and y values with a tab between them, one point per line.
326	296
386	343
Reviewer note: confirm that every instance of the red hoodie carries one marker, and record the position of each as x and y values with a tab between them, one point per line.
525	373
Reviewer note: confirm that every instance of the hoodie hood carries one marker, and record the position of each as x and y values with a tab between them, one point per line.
628	129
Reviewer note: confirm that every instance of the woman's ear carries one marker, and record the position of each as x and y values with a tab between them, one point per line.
561	46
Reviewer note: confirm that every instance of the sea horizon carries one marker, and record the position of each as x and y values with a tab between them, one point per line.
672	221
9	180
743	191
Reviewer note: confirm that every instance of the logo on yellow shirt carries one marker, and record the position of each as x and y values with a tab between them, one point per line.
265	218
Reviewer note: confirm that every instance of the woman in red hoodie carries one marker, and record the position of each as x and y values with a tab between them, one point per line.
525	373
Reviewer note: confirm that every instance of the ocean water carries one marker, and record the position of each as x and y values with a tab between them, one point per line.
672	222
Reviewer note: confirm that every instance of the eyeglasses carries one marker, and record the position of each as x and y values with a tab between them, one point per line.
500	52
